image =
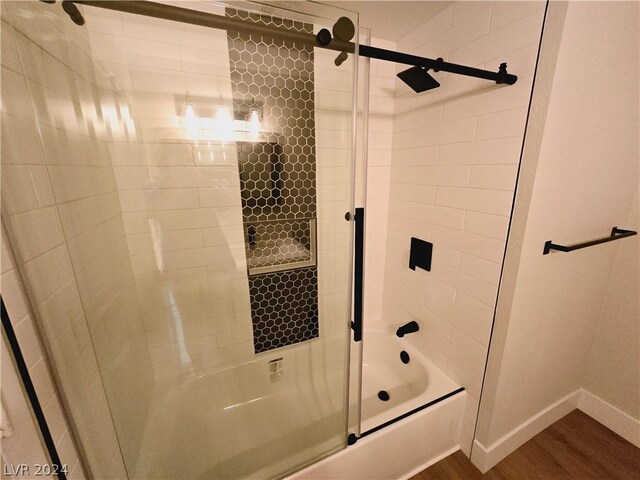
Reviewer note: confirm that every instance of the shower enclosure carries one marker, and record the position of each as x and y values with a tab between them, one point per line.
183	193
177	205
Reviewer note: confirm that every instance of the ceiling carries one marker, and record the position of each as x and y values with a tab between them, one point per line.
392	19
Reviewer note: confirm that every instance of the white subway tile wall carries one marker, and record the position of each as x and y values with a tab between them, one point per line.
333	142
455	155
64	218
379	148
333	87
181	199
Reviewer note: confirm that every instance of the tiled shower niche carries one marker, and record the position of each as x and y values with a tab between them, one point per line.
280	245
272	80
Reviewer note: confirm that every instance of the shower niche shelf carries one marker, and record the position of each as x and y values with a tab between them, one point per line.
277	245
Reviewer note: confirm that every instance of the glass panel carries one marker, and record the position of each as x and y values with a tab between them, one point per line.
179	221
360	194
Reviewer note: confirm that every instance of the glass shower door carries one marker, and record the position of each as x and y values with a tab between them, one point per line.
199	181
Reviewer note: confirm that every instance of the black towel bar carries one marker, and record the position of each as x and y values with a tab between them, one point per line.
616	234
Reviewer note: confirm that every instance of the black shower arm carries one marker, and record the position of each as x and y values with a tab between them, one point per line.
501	76
322	40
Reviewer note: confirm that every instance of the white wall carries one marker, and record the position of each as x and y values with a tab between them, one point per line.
561	316
455	157
612	368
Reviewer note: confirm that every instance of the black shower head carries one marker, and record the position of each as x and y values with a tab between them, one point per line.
418	79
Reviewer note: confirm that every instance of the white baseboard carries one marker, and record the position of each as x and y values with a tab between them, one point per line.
611	417
486	457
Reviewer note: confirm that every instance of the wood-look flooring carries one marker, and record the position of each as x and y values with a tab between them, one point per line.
575	447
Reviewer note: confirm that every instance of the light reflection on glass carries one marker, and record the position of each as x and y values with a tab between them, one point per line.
185	358
178	327
222	127
254	124
156	239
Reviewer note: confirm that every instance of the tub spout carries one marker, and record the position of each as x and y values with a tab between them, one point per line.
410	327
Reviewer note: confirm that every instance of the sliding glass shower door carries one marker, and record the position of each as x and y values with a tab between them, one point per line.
185	250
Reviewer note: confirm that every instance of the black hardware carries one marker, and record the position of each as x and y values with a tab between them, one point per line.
342	56
420	254
502	74
383	395
358	275
436	64
347	216
342	28
404	356
616	234
30	390
408	414
323	37
210	20
352	439
418	79
73	12
410	327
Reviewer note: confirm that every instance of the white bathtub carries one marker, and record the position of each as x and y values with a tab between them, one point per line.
237	423
215	415
395	443
409	386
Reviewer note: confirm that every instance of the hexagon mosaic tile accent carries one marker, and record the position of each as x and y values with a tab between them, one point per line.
275	77
284	308
273	80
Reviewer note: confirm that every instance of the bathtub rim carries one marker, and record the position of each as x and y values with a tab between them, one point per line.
444	391
411	412
333	466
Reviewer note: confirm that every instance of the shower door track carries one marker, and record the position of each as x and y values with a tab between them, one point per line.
407	414
58	468
324	39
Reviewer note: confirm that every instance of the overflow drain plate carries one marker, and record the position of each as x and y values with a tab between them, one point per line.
404	356
383	395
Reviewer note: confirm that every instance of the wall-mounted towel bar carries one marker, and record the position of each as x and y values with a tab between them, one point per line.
616	234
